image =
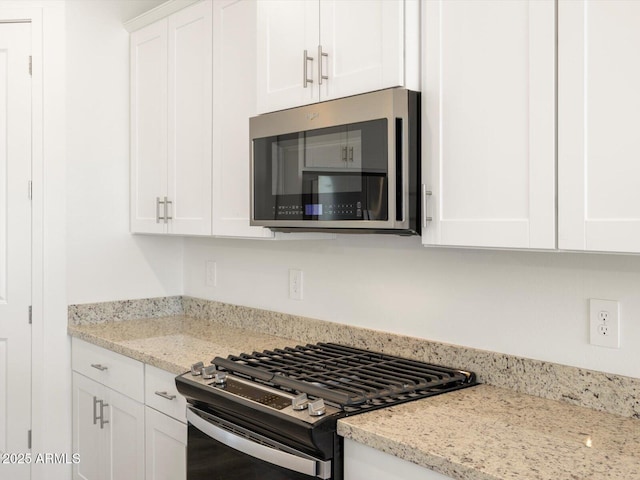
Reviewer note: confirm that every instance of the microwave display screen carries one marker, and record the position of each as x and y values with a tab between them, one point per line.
313	209
334	173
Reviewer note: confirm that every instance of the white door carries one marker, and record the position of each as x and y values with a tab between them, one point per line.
364	44
489	123
190	129
285	30
166	447
599	125
15	244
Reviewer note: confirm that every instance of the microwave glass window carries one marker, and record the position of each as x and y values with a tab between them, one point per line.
336	173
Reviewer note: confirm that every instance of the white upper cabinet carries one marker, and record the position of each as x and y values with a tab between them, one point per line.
234	102
313	50
599	125
488	140
190	119
171	124
149	48
285	30
364	46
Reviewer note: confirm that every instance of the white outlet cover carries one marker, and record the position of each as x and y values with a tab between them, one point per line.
211	274
295	284
609	336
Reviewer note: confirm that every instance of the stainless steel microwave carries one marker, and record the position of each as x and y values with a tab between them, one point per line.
348	166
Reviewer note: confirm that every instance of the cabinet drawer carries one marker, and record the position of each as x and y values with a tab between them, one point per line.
161	393
116	371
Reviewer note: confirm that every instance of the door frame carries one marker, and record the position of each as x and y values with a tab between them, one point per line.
51	377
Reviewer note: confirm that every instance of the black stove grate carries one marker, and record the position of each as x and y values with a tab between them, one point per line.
345	375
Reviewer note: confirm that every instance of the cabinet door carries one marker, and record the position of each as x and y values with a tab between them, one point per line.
87	435
124	437
234	102
365	463
148	126
598	125
364	43
286	28
190	124
489	123
166	447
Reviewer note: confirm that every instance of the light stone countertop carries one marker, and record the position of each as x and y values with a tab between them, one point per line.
480	433
175	343
491	433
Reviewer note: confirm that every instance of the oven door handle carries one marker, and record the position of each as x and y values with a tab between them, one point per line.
306	466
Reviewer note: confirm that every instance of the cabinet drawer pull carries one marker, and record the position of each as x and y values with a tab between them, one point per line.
166	395
102	368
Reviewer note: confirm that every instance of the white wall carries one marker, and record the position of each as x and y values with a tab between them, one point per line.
531	304
104	261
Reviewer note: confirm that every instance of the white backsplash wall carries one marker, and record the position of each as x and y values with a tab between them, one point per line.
531	304
104	261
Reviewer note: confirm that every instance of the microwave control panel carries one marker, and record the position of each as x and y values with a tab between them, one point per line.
319	211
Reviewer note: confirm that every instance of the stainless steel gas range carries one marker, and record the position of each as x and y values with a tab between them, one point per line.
272	415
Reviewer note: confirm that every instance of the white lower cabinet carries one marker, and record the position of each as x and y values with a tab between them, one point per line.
166	447
364	463
119	437
108	432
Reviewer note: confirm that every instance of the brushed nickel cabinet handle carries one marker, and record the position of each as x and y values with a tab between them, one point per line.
100	367
305	75
321	54
165	395
425	193
95	410
167	202
158	203
102	420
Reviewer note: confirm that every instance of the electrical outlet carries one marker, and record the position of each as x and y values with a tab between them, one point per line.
295	284
211	274
604	321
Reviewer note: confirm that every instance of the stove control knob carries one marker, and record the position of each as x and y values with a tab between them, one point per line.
208	372
196	369
316	408
300	402
220	378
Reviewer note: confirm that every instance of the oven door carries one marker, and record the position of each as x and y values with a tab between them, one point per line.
219	450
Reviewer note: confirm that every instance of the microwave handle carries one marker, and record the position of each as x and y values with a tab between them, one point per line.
425	193
306	466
